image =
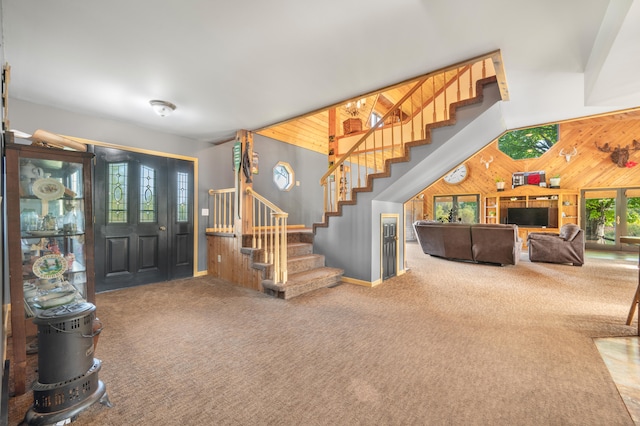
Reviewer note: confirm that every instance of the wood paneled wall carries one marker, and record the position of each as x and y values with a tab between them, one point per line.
234	266
590	168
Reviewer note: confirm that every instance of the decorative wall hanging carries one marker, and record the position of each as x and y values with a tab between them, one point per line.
620	156
486	162
567	156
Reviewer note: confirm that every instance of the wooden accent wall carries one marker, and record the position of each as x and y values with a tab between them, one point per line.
234	266
590	168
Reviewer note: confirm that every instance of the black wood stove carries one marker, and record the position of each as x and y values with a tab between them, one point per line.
67	371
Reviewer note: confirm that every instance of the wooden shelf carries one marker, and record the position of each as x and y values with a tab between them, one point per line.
534	196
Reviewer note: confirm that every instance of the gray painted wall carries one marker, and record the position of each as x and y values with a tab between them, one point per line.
304	203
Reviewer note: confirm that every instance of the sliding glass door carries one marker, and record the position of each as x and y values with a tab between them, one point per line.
609	214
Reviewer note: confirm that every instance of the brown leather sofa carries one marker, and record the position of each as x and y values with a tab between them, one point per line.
481	243
567	246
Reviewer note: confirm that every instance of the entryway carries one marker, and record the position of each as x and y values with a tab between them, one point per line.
143	218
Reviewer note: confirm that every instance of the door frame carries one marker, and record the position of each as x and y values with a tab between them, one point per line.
384	216
90	142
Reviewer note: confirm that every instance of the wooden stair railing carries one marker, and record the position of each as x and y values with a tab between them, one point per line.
426	104
267	226
269	233
223	210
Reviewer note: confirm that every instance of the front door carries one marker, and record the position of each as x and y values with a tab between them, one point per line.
143	220
389	246
609	214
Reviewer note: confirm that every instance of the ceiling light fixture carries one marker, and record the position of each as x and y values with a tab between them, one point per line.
353	107
162	108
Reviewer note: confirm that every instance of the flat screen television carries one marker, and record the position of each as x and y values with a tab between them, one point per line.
535	217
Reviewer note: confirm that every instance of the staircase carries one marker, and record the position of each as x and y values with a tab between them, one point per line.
307	271
435	126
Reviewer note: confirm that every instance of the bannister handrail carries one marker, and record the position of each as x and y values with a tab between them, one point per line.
264	201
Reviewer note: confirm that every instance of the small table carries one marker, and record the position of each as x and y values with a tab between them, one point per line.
636	298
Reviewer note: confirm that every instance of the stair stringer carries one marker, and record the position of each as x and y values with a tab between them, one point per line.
352	242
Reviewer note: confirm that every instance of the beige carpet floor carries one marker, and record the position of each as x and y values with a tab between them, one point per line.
448	343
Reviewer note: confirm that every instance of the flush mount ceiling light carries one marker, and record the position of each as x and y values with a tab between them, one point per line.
162	108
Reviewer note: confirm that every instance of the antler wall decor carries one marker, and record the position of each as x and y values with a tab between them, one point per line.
620	156
486	162
568	156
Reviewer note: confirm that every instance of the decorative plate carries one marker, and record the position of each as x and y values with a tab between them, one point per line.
47	189
50	266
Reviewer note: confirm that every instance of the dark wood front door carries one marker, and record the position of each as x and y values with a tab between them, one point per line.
389	247
143	218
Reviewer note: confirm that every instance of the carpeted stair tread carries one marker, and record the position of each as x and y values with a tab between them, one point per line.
305	262
314	274
299	249
304	282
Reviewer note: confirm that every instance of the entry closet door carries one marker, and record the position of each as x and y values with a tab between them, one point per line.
144	218
389	246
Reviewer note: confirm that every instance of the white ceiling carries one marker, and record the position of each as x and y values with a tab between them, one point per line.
246	64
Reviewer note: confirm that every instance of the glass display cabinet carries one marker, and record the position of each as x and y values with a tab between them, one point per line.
50	236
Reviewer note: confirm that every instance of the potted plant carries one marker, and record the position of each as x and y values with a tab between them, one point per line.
500	184
554	181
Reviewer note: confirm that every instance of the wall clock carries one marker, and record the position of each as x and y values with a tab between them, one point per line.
283	176
457	175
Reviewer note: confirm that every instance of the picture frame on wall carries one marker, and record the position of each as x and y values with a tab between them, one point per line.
537	178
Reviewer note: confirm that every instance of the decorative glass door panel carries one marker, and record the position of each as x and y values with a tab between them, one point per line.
144	217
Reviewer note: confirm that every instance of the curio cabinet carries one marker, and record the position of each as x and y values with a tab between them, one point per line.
50	237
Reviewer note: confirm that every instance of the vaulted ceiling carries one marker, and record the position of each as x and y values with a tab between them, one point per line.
249	65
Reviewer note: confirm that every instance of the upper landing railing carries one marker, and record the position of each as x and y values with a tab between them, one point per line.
428	102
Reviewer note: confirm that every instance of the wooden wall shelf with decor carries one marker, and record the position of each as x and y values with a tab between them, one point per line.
562	204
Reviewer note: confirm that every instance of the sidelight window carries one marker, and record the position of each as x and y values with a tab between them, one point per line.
182	206
148	199
118	193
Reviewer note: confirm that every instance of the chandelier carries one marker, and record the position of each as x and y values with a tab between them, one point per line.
353	107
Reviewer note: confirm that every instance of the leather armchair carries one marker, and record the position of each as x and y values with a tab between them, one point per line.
564	247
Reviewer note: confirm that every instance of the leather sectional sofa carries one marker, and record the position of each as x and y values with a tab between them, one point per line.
481	243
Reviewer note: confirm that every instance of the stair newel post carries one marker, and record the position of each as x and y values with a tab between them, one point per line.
280	258
244	181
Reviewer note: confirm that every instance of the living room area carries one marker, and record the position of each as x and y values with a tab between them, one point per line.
598	190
